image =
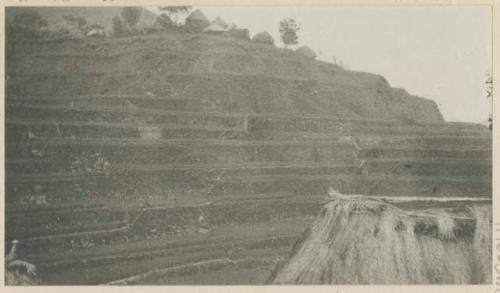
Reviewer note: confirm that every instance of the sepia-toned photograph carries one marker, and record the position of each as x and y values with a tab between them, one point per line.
248	145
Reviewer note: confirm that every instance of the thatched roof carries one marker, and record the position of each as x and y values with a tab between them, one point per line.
197	21
197	15
357	240
263	37
306	51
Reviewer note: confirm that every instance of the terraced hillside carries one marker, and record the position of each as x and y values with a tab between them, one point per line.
204	157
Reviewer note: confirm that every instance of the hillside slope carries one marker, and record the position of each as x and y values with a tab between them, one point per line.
182	158
213	73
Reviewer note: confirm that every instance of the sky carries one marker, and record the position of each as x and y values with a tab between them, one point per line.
441	53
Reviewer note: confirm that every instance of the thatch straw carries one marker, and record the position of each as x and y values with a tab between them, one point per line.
482	243
365	241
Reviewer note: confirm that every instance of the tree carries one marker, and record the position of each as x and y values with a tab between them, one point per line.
131	16
288	30
175	11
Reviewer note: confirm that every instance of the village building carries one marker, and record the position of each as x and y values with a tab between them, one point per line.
197	21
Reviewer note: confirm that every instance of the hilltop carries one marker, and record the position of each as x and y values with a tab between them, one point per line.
93	15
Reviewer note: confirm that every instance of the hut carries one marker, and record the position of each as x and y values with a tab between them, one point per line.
163	21
306	51
197	21
264	38
360	240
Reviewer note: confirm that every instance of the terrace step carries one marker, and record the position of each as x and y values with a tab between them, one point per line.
18	130
44	166
97	187
59	114
182	151
393	153
154	181
65	226
246	271
261	125
122	260
437	186
126	102
375	138
368	141
77	265
444	167
404	166
367	131
62	225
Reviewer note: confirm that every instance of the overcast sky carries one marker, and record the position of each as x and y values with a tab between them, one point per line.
441	53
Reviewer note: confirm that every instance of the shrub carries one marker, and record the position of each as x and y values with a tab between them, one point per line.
239	33
264	38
